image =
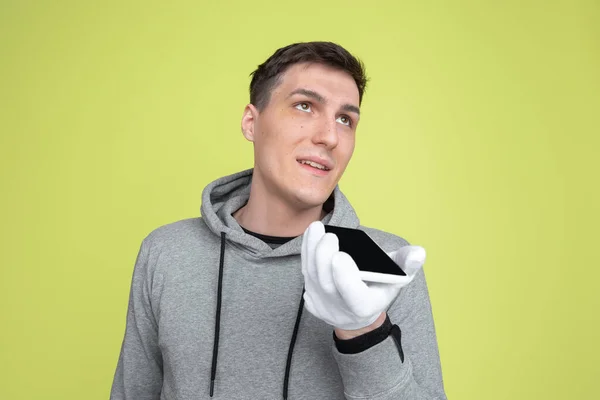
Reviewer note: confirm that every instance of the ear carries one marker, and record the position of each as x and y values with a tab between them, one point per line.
249	119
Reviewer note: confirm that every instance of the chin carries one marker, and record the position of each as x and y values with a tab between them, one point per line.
311	198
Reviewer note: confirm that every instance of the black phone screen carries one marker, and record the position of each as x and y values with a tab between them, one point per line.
365	252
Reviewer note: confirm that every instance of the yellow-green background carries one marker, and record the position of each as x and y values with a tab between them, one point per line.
478	140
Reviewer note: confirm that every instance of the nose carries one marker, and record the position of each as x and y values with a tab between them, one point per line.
327	134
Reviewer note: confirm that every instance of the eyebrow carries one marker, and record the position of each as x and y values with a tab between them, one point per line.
316	96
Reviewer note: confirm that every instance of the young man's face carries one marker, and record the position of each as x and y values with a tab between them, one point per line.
311	118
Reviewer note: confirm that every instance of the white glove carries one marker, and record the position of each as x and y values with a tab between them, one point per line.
334	291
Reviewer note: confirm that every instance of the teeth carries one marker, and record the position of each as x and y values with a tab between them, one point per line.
313	164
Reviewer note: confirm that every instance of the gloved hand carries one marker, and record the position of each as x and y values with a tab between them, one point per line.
334	291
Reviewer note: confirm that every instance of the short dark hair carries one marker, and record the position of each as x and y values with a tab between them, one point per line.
268	74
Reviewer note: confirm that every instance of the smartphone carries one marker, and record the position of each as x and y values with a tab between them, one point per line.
373	262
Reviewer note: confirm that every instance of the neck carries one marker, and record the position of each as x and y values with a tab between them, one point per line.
271	215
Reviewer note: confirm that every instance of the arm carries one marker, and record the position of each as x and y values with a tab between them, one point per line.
379	371
139	370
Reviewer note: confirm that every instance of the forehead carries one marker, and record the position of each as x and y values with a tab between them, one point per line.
330	82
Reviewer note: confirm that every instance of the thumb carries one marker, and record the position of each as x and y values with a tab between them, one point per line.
410	258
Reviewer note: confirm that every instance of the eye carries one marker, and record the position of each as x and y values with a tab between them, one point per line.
345	120
303	107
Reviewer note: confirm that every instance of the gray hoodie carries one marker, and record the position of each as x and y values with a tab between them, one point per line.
209	302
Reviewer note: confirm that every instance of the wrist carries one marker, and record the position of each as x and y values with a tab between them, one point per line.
351	334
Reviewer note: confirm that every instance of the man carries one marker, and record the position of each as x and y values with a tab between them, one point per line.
216	304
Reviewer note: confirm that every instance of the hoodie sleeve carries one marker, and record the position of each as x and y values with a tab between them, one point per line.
139	370
379	373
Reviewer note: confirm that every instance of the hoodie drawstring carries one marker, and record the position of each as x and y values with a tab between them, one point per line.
213	372
288	365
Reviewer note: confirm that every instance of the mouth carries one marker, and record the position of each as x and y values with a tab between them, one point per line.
314	167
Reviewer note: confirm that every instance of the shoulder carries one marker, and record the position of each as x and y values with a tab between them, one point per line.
176	248
178	234
386	240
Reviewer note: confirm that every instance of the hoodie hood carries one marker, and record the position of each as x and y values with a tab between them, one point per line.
224	196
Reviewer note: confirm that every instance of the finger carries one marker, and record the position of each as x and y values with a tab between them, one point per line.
356	294
304	254
308	304
315	233
307	298
398	280
326	248
363	300
387	292
311	237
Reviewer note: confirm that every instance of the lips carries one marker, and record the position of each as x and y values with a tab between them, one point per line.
312	170
316	162
314	165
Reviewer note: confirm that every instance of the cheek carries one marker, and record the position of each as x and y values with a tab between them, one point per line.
280	137
346	147
275	146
